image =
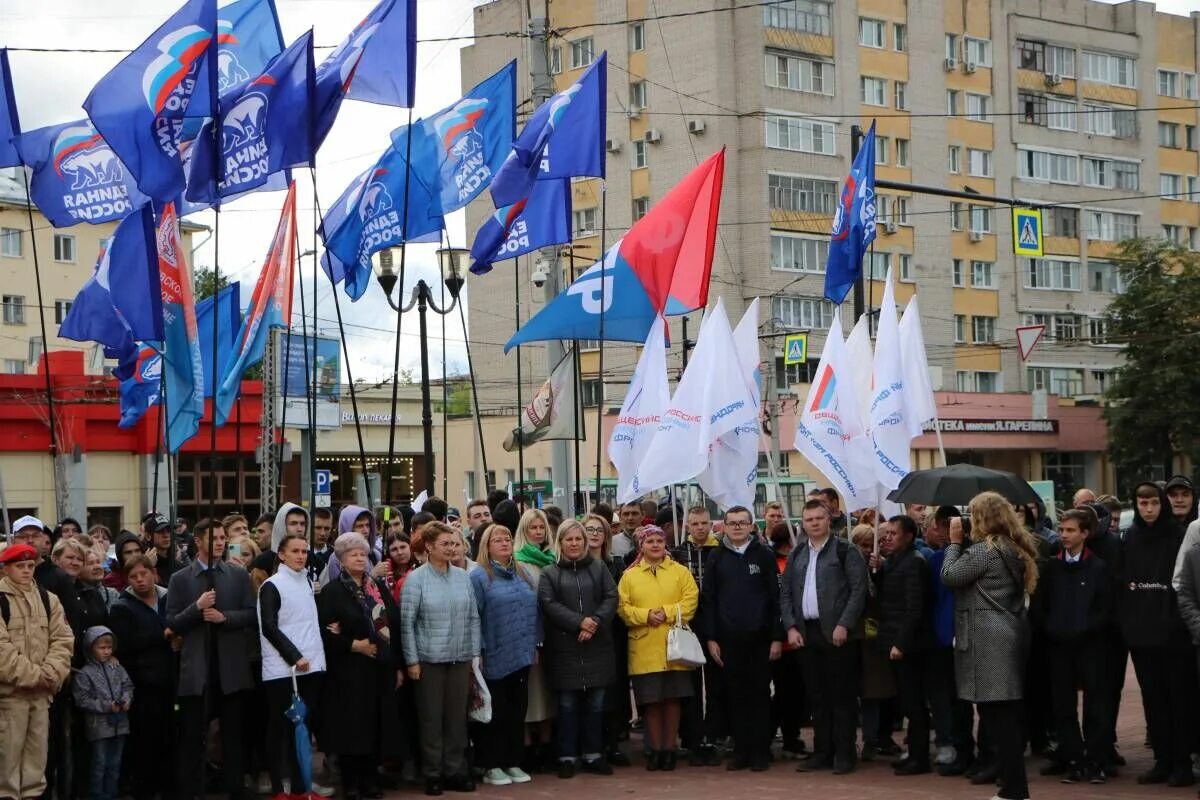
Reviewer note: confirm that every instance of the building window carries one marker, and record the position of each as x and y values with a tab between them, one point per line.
981	219
902	152
14	366
1062	222
802	312
1060	61
584	222
977	51
877	265
882	145
10	242
1168	134
870	32
1060	115
954	158
960	329
1065	470
1098	330
800	134
1033	108
983	330
637	37
1060	381
1038	165
61	309
805	16
14	309
1031	55
1066	327
555	60
639	154
788	375
1190	137
952	102
951	47
1118	123
1111	226
957	279
582	53
1170	186
1049	273
872	91
1110	69
979	107
64	248
977	381
1168	83
905	267
1109	174
794	253
983	275
593	392
901	95
799	74
979	163
789	193
1189	85
1103	276
1101	379
640	206
637	95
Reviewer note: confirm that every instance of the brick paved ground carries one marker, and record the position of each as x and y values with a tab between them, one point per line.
870	781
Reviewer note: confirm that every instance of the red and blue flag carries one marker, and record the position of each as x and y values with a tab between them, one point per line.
182	359
853	224
541	220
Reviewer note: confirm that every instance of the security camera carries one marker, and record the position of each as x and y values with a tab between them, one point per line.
539	276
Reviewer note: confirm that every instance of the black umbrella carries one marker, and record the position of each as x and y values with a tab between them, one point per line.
957	484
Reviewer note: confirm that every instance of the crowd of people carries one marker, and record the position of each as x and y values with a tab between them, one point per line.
443	648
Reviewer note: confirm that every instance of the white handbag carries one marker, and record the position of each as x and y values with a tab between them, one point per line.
683	646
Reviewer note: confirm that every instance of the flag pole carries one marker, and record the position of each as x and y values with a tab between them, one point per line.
312	417
445	399
475	398
600	357
165	434
310	387
579	497
520	406
60	511
387	490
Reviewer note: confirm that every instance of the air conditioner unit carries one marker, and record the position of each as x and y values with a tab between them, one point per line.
633	113
696	126
976	236
890	226
612	145
652	136
1053	79
951	64
969	66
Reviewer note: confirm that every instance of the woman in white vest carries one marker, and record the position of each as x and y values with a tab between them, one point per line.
291	643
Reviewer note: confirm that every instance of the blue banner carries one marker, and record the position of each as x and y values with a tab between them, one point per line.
577	114
853	225
140	388
76	175
265	127
122	301
10	125
182	361
228	318
248	37
140	105
544	219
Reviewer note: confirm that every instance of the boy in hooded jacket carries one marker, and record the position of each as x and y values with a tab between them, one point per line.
103	690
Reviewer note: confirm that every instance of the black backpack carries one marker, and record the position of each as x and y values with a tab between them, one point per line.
6	611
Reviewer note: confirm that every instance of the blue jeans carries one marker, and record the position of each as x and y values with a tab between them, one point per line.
106	767
580	724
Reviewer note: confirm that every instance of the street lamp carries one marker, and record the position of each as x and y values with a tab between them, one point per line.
451	262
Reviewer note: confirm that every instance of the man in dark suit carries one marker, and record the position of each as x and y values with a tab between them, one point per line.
210	606
822	596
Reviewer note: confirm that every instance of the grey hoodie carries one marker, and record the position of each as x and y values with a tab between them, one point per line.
97	686
280	526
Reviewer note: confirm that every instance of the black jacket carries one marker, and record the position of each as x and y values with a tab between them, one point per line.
568	592
905	603
143	651
739	598
1147	609
1074	600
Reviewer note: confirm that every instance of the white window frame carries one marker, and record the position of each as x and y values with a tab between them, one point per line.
983	275
1105	225
812	252
14	366
637	37
639	155
983	107
1061	114
960	329
958	278
903	152
904	267
637	95
800	73
583	52
982	159
12	308
1110	68
64	248
952	102
872	91
1168	83
977	50
899	37
583	222
883	147
982	215
1170	185
12	241
1047	166
822	193
872	32
798	312
798	128
1054	379
804	16
640	207
1171	137
983	329
1065	55
1051	275
900	95
61	309
555	65
954	159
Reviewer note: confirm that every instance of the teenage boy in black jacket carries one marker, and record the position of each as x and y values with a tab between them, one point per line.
1074	607
905	631
739	619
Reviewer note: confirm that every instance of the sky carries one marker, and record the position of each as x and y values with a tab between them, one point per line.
50	88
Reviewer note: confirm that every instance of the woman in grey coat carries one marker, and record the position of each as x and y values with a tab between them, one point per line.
992	579
579	599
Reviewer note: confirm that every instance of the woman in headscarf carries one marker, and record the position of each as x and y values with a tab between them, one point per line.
360	630
535	550
654	593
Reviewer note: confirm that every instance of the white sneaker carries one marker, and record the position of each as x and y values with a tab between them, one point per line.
264	783
322	790
518	775
496	777
946	755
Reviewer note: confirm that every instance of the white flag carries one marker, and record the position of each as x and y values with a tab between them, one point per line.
829	432
859	357
889	428
918	395
712	399
645	400
733	458
551	412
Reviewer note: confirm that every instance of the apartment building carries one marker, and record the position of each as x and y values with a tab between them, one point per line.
1084	105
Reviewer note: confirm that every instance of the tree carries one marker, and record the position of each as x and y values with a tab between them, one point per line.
1152	403
459	402
202	282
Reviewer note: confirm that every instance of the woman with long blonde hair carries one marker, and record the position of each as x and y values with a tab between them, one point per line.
534	547
992	580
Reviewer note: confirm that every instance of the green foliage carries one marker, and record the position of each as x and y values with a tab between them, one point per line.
1153	401
459	403
202	281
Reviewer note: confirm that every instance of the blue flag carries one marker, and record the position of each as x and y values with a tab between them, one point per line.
181	354
265	127
375	64
228	318
369	216
10	125
853	225
575	314
544	219
538	154
76	175
467	141
248	37
122	301
140	376
140	105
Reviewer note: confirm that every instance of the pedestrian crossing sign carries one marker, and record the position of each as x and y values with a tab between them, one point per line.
1027	232
795	349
